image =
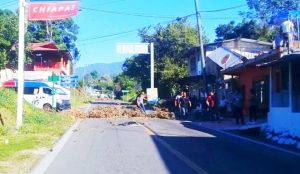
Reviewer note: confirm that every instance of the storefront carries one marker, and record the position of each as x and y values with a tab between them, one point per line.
284	112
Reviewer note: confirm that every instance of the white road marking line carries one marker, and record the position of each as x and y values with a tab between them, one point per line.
251	140
182	157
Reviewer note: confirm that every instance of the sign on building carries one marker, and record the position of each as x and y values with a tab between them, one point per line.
52	10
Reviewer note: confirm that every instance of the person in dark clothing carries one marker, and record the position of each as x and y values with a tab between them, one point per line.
222	106
194	102
184	104
253	108
237	103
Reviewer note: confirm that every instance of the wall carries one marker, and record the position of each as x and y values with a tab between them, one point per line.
247	77
245	45
47	61
282	119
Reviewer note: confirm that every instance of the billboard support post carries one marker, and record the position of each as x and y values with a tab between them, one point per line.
21	54
152	64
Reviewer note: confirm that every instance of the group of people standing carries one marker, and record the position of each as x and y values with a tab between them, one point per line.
213	108
183	103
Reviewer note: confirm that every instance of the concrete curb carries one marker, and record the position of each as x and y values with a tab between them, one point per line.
250	140
45	162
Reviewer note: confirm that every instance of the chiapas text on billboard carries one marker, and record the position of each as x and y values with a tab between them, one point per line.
52	10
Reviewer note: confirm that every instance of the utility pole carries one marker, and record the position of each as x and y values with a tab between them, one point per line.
202	59
83	82
21	54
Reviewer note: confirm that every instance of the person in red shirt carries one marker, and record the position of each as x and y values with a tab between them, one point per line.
211	105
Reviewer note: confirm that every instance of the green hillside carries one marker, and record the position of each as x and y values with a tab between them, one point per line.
111	69
19	148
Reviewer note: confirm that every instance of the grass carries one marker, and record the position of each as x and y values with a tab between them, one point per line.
20	149
80	98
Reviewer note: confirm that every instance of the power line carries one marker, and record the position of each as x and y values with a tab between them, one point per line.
224	9
106	3
105	40
176	19
158	16
127	14
134	30
109	35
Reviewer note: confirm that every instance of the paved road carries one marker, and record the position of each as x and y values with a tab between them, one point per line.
161	147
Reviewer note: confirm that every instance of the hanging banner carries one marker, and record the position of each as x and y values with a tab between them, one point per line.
56	10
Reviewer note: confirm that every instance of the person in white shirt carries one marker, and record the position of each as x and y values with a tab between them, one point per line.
177	101
287	29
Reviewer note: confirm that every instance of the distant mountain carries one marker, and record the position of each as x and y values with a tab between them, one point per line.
111	69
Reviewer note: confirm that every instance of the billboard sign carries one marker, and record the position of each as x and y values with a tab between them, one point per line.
133	48
152	95
52	10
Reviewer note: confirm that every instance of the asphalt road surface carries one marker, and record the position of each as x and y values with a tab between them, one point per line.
153	146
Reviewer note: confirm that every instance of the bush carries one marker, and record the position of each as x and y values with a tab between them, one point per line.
3	131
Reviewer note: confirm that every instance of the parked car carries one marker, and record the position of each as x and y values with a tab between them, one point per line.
41	95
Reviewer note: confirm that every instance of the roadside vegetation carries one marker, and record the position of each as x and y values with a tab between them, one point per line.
79	98
20	149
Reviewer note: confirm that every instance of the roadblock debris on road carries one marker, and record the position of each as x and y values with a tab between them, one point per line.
120	111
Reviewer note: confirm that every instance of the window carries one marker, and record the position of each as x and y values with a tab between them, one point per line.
60	91
280	86
296	87
30	90
47	91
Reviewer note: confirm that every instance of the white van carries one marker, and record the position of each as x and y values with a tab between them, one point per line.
40	95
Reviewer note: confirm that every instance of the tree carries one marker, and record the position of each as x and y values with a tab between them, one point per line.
8	37
123	82
172	45
226	31
138	67
94	75
246	29
104	83
255	23
265	9
62	32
